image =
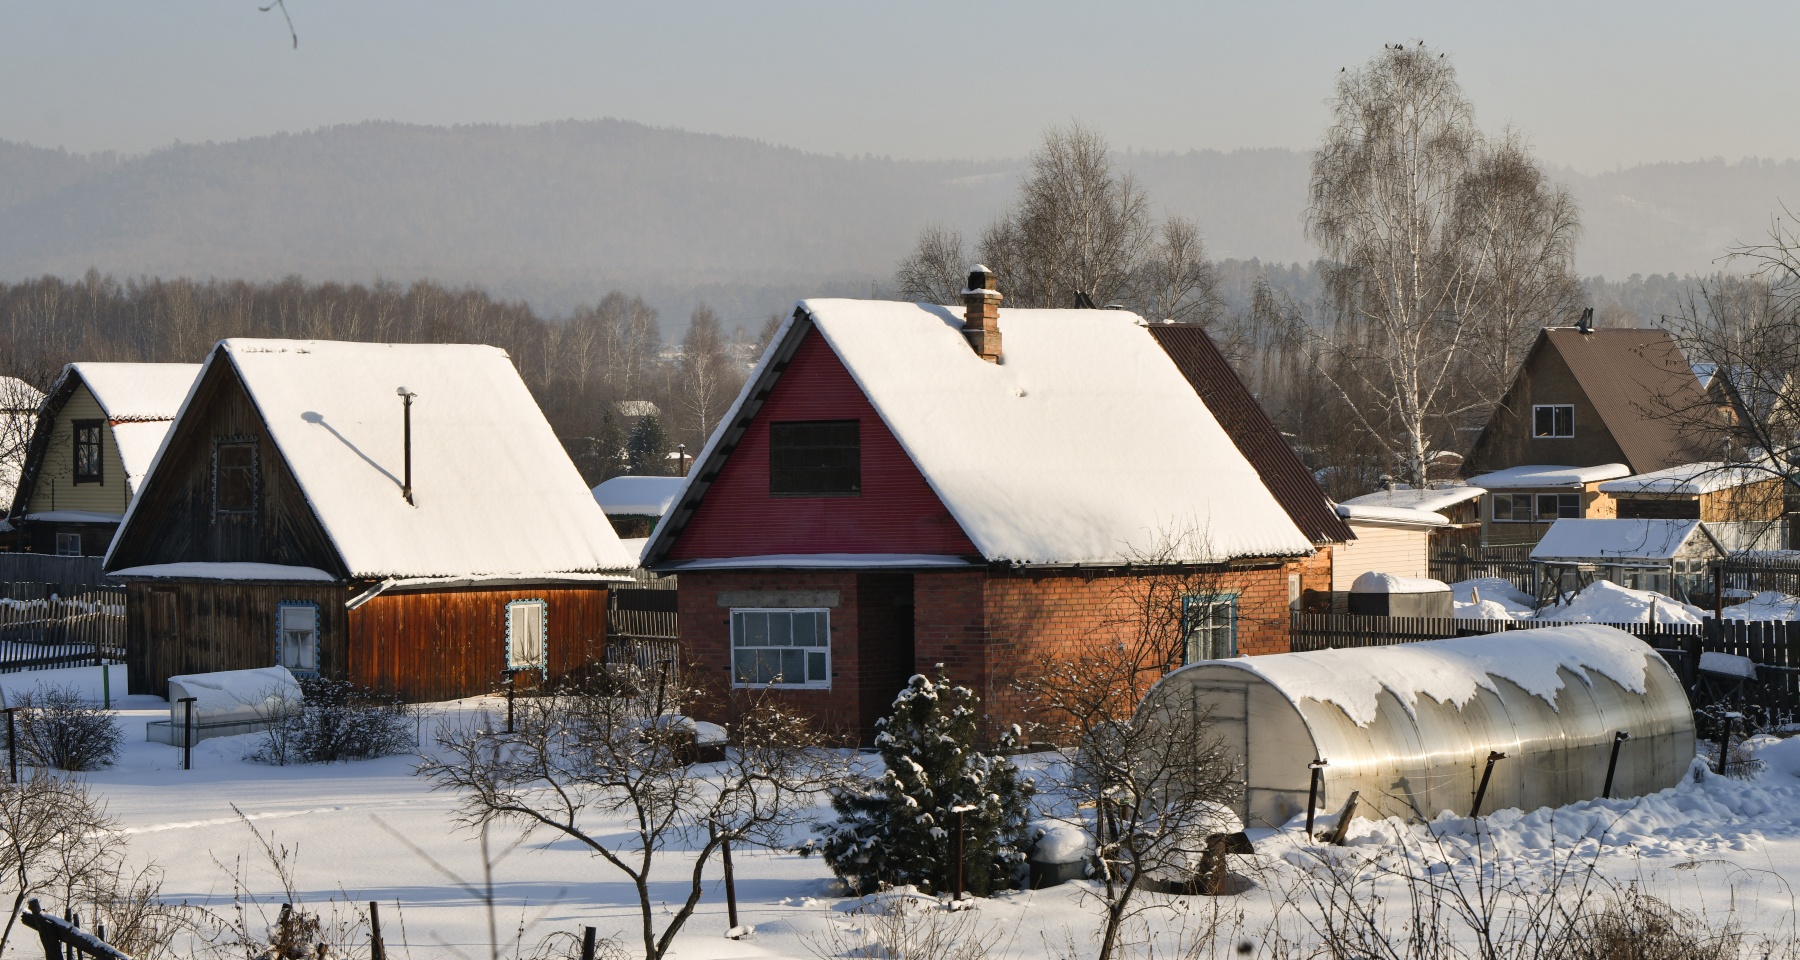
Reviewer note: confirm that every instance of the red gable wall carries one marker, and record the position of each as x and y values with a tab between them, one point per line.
897	512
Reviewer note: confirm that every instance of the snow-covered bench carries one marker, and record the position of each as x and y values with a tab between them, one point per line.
226	704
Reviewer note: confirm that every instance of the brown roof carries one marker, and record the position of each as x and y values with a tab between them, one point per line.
1637	379
1292	484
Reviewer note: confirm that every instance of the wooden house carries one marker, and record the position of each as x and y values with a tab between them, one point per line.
1744	507
96	433
895	489
399	515
1587	405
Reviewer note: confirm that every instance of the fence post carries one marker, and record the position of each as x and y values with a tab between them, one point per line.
588	946
1481	791
1613	764
187	735
377	950
730	884
12	743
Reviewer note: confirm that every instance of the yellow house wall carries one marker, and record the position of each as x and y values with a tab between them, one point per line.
1401	551
1753	501
56	488
1594	506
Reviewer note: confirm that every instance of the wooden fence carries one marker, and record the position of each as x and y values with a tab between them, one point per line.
63	574
41	629
1773	646
1510	562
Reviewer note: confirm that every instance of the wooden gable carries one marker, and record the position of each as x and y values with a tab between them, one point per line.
174	520
896	511
1507	441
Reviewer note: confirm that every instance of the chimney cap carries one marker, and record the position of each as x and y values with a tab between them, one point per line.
981	283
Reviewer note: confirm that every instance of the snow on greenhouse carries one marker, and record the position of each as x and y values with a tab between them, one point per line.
1411	727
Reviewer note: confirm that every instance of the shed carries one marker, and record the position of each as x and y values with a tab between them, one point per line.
633	504
1386	595
1393	540
1410	726
1670	557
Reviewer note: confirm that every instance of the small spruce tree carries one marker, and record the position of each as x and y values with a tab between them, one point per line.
901	829
648	447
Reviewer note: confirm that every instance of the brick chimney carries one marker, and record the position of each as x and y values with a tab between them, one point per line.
981	313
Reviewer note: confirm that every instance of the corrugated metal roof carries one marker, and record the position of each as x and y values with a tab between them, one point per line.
1249	426
1635	378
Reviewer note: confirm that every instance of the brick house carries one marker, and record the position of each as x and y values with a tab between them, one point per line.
893	490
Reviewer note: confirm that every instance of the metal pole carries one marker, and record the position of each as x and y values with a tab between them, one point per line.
512	685
662	684
730	884
959	852
1312	793
406	400
1481	791
12	743
187	735
377	951
587	943
1613	764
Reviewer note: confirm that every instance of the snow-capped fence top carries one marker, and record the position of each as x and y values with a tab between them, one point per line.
1410	725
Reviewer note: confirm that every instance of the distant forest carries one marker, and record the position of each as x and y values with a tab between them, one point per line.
579	368
558	215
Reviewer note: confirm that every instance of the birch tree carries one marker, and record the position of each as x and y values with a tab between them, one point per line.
1431	235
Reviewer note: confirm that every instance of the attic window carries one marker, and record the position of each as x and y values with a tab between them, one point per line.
234	476
88	461
815	458
1550	420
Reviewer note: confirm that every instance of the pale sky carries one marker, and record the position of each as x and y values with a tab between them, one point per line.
1593	86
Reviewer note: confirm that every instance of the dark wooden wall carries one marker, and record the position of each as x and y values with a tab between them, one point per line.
201	627
444	644
173	520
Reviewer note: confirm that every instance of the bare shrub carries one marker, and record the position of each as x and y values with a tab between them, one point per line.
906	926
1637	926
339	721
61	729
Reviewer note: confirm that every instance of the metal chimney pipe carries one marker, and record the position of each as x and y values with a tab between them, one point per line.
406	398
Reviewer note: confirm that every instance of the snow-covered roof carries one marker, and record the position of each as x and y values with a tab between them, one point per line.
1376	582
638	408
638	496
1572	539
1401	515
494	492
138	391
138	441
1085	444
1537	476
1689	479
200	570
1430	499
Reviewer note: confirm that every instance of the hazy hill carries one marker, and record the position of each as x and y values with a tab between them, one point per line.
560	213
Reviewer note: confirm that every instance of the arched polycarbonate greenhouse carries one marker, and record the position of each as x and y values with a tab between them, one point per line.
1410	727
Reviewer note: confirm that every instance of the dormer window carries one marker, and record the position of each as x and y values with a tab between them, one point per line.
88	461
1553	420
815	458
234	476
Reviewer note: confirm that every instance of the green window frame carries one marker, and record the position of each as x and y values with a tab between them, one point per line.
1209	624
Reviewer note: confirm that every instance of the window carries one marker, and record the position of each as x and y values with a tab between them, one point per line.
234	476
527	635
88	461
1535	507
817	458
1209	622
1553	505
297	640
1553	420
68	544
781	648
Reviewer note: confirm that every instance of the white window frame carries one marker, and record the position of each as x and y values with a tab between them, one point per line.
738	619
1552	435
63	538
514	660
1209	620
311	654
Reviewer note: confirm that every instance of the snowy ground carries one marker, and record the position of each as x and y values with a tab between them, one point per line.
1721	846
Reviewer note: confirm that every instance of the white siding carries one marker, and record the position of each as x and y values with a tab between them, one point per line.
1402	551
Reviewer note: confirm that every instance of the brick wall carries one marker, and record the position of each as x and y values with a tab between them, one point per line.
984	627
706	642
